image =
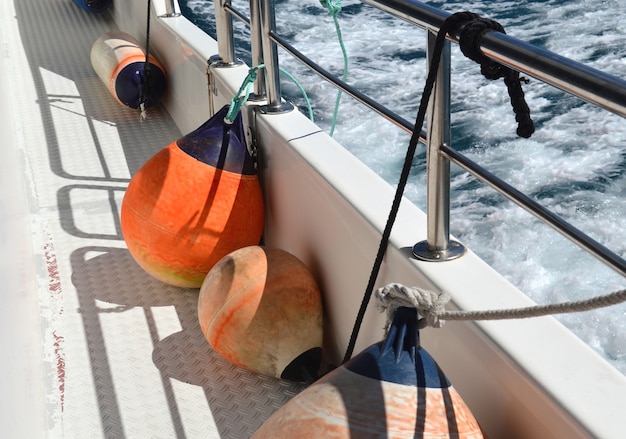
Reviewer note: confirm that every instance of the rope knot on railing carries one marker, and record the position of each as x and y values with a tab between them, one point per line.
429	304
469	41
246	89
242	95
473	28
333	8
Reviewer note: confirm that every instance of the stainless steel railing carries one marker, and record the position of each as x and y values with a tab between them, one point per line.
589	84
585	82
170	9
224	32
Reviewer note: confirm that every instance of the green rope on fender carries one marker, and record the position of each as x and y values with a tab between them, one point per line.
246	88
333	10
242	95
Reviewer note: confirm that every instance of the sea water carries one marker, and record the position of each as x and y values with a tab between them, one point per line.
574	164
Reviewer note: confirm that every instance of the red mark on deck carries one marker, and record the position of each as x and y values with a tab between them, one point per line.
56	298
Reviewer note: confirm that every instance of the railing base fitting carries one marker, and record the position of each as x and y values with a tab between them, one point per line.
423	252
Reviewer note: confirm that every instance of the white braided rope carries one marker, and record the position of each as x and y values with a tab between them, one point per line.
431	306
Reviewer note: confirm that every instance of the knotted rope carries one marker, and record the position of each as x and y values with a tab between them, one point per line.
244	91
474	27
242	94
431	306
333	8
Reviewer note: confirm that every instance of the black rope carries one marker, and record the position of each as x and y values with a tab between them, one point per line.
525	129
144	91
469	40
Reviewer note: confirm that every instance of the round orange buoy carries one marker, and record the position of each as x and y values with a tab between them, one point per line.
261	309
194	202
119	62
392	389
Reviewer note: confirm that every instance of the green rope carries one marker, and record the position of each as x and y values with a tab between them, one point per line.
242	95
246	88
333	10
304	95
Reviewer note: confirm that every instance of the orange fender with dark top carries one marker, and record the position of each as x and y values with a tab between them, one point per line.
194	202
393	389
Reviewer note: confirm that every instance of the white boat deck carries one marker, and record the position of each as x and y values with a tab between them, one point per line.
91	345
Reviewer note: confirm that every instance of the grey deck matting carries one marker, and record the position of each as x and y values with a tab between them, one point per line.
123	355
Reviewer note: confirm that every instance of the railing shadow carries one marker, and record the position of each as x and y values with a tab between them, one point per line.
69	90
146	356
112	291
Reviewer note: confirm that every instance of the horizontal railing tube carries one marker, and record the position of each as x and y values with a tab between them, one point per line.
592	85
588	244
370	103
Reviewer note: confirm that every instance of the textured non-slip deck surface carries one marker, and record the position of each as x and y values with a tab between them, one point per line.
122	354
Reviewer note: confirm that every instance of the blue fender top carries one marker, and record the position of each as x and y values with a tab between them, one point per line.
129	82
94	6
220	145
399	358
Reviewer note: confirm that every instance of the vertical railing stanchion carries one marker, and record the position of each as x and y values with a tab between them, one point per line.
170	10
438	246
256	46
270	59
224	31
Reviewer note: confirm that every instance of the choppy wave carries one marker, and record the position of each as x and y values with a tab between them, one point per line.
575	163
